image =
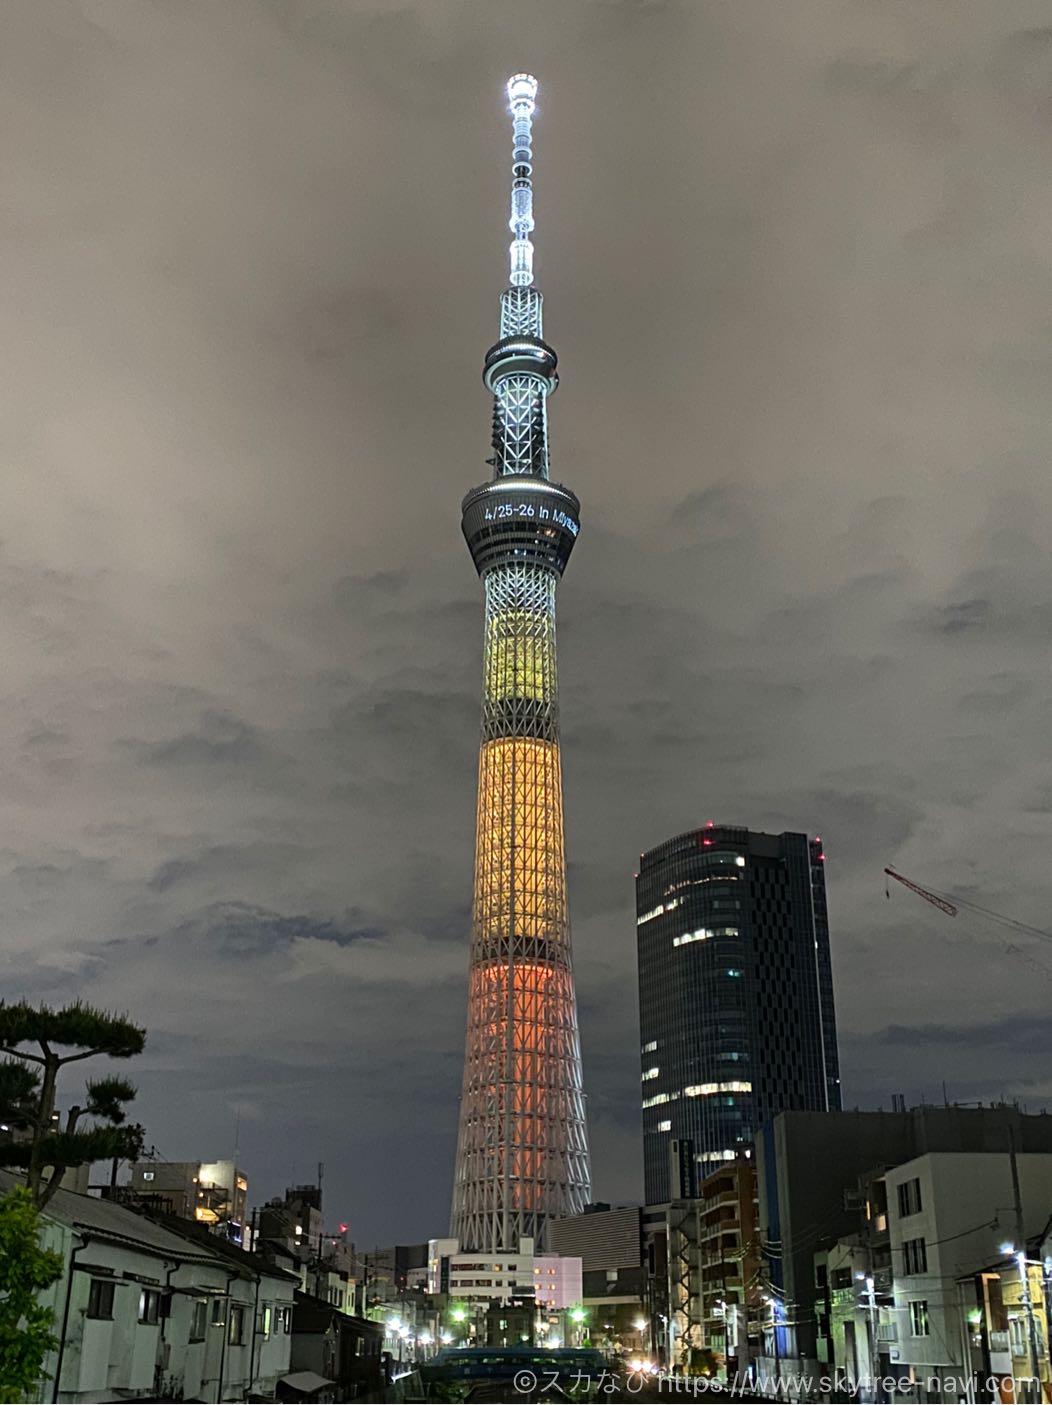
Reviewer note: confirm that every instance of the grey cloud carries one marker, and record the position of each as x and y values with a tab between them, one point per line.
849	76
791	274
1024	1033
219	739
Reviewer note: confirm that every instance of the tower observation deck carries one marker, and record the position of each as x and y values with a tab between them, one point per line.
522	1151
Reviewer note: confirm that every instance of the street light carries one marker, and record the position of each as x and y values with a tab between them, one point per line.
670	1332
642	1324
1028	1305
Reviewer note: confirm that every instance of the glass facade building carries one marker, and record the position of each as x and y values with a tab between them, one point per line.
735	992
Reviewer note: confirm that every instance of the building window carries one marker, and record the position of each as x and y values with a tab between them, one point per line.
147	1175
218	1312
199	1320
237	1325
909	1198
149	1305
100	1298
915	1256
920	1326
268	1317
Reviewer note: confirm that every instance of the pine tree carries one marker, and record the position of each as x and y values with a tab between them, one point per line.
39	1140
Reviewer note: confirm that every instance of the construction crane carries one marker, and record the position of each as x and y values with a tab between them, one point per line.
970	909
929	897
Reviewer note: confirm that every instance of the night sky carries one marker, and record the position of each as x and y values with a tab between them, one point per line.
796	261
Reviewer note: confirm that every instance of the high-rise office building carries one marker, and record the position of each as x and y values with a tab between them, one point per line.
735	992
522	1153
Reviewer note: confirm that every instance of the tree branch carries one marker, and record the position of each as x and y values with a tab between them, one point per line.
53	1184
18	1054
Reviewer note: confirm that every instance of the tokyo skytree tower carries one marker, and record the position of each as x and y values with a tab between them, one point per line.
522	1151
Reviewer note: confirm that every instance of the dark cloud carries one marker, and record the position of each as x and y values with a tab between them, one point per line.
219	739
795	264
1026	1033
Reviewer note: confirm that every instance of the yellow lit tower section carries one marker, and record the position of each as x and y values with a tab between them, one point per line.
522	1152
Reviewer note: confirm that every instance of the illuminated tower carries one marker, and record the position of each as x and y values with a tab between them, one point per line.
522	1152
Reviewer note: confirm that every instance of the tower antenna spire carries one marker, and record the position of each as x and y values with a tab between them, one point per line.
522	101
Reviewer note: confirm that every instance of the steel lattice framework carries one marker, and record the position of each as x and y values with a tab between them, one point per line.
522	1152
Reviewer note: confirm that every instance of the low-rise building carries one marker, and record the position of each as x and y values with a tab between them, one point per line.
549	1280
729	1262
947	1214
337	1347
213	1193
609	1242
809	1166
1006	1307
145	1310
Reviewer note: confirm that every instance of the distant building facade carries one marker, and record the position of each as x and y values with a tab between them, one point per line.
829	1184
702	1259
548	1279
735	992
608	1240
326	1263
214	1193
947	1212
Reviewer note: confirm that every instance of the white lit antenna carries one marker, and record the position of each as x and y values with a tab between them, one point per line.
522	93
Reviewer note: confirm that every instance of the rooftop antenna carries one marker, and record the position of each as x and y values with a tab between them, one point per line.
522	101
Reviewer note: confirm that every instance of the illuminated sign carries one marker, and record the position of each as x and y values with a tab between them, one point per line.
512	509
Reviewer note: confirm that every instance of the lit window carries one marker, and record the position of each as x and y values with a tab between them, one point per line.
920	1324
705	1090
701	935
664	1126
733	972
147	1175
650	1048
655	1100
650	1073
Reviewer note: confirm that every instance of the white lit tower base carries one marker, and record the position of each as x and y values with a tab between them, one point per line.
522	1151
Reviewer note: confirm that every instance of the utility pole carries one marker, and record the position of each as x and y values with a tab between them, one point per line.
1033	1390
874	1348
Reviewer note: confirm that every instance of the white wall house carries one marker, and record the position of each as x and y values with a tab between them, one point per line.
947	1213
140	1310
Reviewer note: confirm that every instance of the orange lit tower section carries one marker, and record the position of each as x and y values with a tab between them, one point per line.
522	1152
